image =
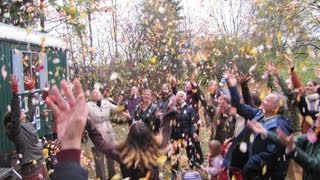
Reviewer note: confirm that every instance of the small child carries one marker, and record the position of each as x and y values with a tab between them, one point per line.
215	160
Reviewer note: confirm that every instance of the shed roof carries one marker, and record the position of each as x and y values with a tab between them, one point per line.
11	32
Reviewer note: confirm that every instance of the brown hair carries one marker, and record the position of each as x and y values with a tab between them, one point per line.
141	149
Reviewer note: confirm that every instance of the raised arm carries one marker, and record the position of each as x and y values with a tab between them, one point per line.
284	87
297	150
30	82
243	110
13	120
307	162
71	120
245	90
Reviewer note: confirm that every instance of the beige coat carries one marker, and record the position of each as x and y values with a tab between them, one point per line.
100	117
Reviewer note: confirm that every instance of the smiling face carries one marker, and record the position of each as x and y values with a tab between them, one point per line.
147	95
212	86
180	98
134	91
311	87
270	104
224	105
165	88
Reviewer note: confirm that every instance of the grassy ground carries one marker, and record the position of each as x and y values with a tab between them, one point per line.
121	133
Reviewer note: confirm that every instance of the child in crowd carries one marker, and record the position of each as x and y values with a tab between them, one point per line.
215	160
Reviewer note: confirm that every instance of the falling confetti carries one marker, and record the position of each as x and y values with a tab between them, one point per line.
153	60
161	160
4	72
243	147
264	169
114	76
252	68
116	177
251	138
28	30
162	10
56	60
97	85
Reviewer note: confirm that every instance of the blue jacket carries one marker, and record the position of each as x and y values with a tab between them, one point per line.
263	158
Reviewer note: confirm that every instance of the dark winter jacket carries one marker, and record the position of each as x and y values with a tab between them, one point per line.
69	167
23	134
149	117
184	123
260	154
131	104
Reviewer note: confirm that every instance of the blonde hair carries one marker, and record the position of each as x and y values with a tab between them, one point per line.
215	148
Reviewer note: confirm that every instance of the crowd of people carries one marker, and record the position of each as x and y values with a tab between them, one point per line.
251	138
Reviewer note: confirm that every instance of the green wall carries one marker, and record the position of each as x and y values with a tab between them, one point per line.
6	47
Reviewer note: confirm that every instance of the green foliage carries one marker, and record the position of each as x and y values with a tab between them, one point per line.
160	21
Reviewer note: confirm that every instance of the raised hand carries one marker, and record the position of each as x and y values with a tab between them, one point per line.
14	83
286	140
173	80
289	59
29	82
258	128
231	78
71	119
244	79
272	69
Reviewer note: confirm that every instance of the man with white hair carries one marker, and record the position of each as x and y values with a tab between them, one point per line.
255	157
99	113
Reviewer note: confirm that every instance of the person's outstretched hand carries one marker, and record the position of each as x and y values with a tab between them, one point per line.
71	119
244	79
231	78
289	141
289	59
258	128
29	82
14	83
272	69
173	80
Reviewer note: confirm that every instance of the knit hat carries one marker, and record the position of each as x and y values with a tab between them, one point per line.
182	93
192	176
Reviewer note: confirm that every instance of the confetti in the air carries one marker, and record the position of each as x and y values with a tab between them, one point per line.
4	72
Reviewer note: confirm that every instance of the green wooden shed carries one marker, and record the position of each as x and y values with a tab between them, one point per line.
23	51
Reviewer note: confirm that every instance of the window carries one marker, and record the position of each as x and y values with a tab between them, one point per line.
33	63
31	66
